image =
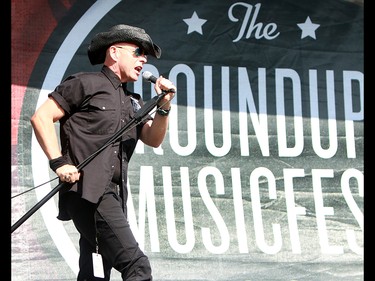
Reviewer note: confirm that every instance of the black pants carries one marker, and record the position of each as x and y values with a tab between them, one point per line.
116	242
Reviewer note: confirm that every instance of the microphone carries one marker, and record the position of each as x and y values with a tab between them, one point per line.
147	76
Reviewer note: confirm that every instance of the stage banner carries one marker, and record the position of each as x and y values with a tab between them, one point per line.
261	174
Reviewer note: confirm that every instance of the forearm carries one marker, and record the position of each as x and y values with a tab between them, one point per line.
153	132
46	136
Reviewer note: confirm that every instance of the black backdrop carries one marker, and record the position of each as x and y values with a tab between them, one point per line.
261	173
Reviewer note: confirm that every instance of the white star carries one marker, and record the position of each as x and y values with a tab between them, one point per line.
308	28
194	23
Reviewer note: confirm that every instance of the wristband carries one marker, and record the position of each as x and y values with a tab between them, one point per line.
56	163
163	112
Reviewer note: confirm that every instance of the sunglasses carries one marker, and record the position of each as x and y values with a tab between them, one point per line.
137	51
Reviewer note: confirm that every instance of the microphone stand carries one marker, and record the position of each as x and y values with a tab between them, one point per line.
141	113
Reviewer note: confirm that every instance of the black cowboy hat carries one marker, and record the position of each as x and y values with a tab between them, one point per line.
121	33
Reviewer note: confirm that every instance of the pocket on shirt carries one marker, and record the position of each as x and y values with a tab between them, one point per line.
102	117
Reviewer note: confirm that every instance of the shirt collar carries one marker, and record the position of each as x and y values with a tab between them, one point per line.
112	77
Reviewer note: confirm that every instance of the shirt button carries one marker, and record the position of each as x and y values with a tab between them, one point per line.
122	120
103	107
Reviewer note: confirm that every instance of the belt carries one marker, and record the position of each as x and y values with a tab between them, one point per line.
114	187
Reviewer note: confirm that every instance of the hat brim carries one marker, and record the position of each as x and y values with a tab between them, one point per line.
121	33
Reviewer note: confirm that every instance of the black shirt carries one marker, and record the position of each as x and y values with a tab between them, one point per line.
96	106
